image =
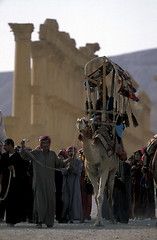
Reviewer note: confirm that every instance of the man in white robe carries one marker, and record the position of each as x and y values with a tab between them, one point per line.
44	162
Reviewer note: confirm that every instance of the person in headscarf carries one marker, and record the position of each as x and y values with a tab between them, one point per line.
71	192
143	199
86	189
136	176
28	192
44	161
13	169
122	191
59	182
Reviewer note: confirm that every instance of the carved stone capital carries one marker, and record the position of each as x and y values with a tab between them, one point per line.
22	31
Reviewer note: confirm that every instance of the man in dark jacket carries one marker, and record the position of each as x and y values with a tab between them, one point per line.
13	170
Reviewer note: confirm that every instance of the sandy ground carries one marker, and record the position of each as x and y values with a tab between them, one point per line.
134	230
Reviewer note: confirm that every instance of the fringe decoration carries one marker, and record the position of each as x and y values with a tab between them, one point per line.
134	120
87	107
126	119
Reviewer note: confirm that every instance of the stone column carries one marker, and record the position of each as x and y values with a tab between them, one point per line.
40	51
22	71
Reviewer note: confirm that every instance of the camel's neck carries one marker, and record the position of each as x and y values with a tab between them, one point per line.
87	142
87	134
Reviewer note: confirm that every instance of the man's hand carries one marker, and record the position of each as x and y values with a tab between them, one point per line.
23	143
11	168
69	162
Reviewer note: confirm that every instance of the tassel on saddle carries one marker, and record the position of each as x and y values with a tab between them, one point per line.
134	120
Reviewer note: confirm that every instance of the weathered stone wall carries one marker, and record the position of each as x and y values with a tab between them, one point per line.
48	94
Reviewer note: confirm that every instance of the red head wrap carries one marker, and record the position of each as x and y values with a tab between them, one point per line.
44	137
71	148
80	151
63	152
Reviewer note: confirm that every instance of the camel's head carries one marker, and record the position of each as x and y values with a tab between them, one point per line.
81	124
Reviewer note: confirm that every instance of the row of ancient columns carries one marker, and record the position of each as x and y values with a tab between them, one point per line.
40	80
28	76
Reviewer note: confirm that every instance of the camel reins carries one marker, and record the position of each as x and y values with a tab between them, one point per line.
6	193
56	169
41	164
10	175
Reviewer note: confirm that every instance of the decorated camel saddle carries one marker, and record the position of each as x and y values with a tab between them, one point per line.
109	90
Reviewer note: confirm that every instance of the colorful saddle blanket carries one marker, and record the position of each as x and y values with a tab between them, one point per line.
106	143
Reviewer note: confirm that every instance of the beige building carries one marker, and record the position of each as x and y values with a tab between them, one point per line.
48	92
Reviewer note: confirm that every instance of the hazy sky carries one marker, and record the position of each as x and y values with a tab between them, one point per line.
119	26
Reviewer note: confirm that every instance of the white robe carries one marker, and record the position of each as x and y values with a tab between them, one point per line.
43	183
71	191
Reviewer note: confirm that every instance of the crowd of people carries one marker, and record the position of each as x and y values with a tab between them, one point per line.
41	187
142	188
134	191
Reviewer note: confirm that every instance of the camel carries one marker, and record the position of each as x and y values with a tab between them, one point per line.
151	156
153	160
150	160
100	168
153	168
109	90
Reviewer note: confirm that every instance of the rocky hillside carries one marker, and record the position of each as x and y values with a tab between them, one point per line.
142	66
6	86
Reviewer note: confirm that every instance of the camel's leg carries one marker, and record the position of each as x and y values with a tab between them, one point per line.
95	186
100	197
110	187
94	181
